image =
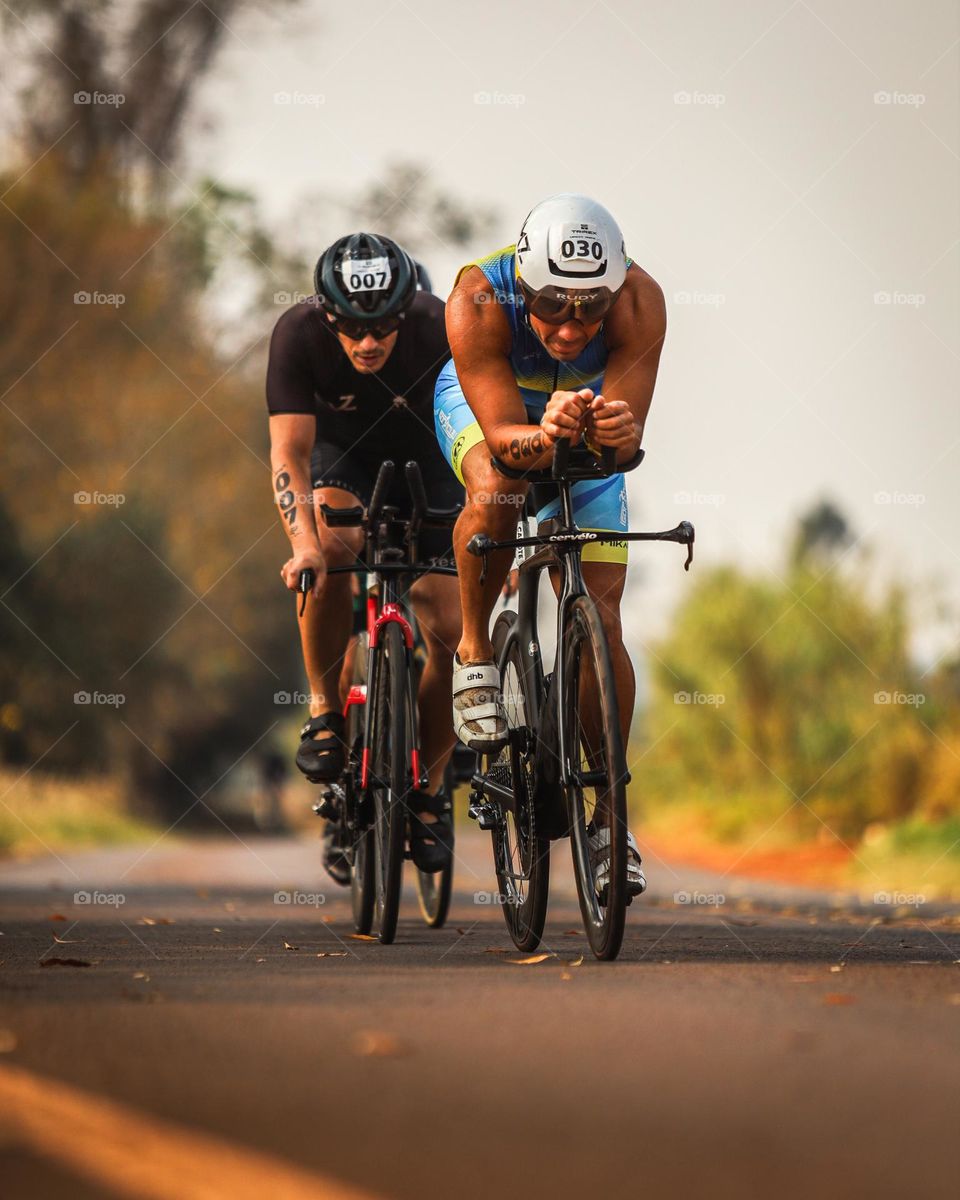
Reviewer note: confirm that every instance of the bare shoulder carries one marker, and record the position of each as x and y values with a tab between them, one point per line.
640	313
475	322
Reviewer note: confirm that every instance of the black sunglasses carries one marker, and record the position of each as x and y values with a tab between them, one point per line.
556	306
356	330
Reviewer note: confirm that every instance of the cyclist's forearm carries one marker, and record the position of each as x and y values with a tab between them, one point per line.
293	496
521	446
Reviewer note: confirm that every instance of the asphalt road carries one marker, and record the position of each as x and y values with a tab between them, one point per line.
750	1042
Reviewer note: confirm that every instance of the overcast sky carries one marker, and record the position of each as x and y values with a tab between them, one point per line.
787	171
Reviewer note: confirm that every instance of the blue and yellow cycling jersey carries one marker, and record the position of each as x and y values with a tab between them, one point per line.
598	504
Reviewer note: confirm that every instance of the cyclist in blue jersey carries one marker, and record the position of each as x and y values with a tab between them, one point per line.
557	336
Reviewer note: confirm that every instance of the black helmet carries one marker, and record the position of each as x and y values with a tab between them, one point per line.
365	277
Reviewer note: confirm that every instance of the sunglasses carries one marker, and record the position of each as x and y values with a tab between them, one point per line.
357	330
555	306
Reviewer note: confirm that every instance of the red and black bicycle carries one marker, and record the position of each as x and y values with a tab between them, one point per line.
369	802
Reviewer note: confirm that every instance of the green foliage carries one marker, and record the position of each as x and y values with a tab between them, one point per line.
804	708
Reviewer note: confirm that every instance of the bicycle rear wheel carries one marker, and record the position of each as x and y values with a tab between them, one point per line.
391	754
521	858
596	792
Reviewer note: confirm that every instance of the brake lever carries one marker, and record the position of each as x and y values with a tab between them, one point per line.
689	534
305	586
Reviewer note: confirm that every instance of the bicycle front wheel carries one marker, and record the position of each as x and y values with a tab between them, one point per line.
521	858
595	793
391	754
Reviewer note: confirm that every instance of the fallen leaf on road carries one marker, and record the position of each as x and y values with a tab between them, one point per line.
332	954
259	960
570	932
165	921
362	937
8	1041
533	958
837	967
141	975
146	921
216	930
371	1044
286	945
839	998
56	917
65	941
575	962
565	976
65	962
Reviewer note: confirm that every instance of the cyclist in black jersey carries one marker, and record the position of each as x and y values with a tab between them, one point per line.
350	383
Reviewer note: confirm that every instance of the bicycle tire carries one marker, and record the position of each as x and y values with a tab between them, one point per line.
390	755
433	895
584	642
521	858
362	891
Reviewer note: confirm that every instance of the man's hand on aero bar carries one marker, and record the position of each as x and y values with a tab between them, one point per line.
612	423
310	557
563	416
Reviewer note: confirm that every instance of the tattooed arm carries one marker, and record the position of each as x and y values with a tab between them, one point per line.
291	443
479	338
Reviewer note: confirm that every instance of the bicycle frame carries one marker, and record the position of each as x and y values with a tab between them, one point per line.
557	544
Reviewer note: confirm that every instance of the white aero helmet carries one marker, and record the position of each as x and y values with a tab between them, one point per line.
571	260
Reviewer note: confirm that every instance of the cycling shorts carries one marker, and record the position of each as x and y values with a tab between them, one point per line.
598	504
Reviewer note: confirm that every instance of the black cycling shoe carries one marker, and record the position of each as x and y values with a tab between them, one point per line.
431	845
322	761
334	859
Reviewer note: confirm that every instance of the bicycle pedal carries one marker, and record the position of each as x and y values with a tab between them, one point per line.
327	807
485	814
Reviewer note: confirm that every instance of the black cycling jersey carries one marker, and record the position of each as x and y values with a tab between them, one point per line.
386	414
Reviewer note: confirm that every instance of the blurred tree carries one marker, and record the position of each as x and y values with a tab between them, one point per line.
792	701
403	204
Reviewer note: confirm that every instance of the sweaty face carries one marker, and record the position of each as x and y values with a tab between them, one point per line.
367	354
564	341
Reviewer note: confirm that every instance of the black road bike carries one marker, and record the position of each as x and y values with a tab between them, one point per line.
369	802
563	772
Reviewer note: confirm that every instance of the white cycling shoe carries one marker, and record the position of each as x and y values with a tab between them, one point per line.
479	719
599	842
